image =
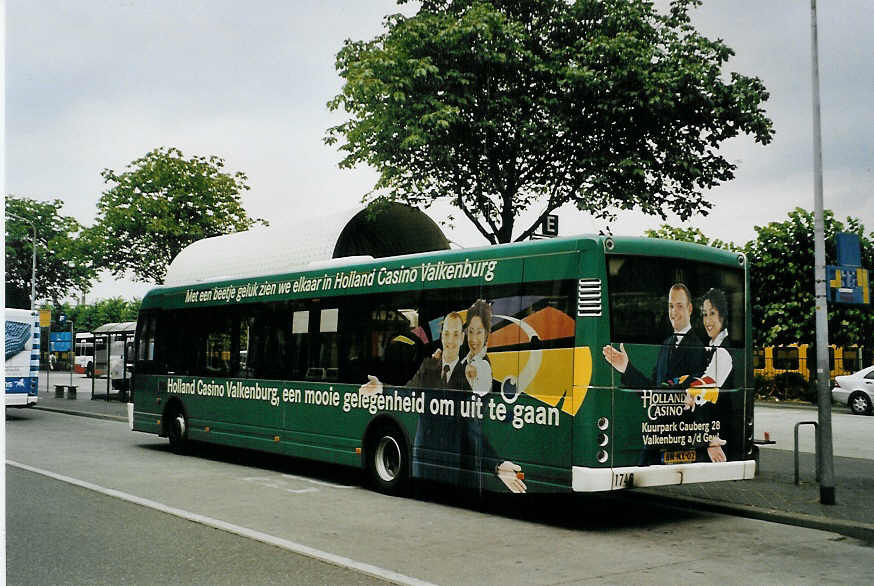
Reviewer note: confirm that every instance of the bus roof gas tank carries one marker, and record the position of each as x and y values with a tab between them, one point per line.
387	230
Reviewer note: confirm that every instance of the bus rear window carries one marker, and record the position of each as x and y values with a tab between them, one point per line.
640	297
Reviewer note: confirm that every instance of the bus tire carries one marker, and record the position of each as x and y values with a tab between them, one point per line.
177	431
388	460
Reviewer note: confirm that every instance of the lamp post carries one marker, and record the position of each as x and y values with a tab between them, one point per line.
824	450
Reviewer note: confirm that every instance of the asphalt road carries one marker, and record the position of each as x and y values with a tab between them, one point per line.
437	537
851	434
63	534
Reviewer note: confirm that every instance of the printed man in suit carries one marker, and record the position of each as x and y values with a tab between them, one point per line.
444	446
682	353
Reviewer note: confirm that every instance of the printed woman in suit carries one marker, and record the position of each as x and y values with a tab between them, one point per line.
718	370
477	368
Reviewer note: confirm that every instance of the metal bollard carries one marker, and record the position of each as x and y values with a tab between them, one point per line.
71	391
59	391
816	447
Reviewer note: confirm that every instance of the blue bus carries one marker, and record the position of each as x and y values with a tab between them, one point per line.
22	357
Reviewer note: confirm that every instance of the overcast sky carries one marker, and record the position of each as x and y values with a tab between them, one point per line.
96	84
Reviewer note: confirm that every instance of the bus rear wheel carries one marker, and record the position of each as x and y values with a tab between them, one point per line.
388	461
177	432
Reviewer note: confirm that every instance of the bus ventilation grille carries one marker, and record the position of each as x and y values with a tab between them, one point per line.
589	298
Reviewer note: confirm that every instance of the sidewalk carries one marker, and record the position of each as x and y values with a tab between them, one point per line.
771	496
83	403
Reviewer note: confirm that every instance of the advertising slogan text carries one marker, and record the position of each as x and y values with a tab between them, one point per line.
347	280
417	402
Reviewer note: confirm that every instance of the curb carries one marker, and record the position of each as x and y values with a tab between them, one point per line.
81	413
788	404
855	529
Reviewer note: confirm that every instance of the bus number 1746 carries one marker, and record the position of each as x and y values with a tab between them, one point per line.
623	480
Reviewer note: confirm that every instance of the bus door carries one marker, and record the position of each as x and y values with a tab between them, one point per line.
531	348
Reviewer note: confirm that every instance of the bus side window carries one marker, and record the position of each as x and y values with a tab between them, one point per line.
145	353
300	342
326	365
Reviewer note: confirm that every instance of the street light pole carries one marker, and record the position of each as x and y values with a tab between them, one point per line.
72	352
824	459
33	272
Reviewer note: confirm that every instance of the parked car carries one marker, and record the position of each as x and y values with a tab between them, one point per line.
856	391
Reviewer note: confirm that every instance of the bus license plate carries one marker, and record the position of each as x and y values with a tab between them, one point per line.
623	479
682	457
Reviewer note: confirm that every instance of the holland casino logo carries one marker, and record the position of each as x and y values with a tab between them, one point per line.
663	403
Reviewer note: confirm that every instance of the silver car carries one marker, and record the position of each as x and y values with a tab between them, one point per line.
856	391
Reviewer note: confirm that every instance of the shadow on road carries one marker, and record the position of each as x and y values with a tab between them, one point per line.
595	512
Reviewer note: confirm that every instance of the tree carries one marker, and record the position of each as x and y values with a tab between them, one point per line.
87	318
63	266
499	106
159	205
782	282
690	234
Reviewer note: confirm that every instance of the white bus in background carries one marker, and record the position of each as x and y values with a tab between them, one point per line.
22	357
119	339
84	352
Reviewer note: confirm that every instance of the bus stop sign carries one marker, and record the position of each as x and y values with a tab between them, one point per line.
848	281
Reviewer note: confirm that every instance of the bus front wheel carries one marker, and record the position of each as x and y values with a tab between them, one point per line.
178	432
388	461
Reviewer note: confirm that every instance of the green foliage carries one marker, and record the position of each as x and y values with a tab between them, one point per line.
87	318
785	387
782	283
500	106
63	266
690	234
781	262
159	205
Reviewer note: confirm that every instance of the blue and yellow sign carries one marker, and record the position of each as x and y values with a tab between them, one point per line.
848	281
848	285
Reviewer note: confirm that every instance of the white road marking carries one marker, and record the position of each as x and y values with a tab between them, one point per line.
279	483
319	482
299	548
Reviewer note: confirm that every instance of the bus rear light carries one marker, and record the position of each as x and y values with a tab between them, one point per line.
276	438
520	475
603	423
603	456
358	451
206	429
603	440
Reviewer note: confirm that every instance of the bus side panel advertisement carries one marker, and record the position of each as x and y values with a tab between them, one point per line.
481	378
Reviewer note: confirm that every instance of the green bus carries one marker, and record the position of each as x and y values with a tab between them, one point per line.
587	363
